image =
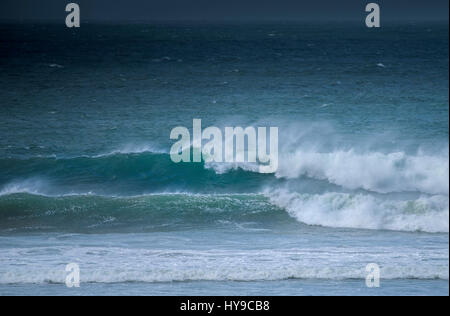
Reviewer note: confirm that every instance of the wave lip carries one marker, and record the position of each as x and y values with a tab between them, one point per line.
133	149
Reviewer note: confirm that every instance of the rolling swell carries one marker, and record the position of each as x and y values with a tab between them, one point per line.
159	212
168	212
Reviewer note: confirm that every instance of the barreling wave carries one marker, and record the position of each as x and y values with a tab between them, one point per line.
145	172
374	171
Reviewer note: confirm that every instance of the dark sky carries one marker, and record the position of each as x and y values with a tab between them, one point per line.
151	10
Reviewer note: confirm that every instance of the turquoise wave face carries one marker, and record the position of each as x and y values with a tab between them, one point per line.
122	174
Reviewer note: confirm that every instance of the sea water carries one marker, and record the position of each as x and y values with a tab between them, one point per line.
86	176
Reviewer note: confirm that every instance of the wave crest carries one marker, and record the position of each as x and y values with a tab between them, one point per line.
383	173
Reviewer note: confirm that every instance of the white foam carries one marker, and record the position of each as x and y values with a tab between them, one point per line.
30	186
374	171
224	167
427	214
37	186
133	149
116	264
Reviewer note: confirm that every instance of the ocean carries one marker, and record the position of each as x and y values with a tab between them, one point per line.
86	176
